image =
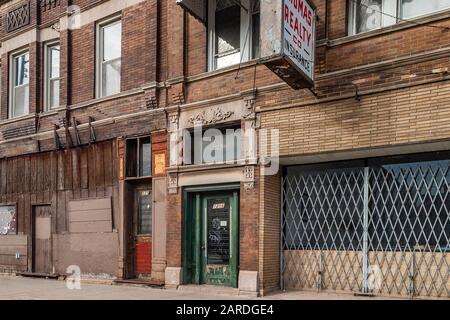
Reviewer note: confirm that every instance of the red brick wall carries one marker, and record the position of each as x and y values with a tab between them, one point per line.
83	64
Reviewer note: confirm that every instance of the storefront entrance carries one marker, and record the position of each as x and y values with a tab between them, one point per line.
211	237
379	226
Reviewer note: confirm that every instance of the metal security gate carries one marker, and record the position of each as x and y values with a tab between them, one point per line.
379	227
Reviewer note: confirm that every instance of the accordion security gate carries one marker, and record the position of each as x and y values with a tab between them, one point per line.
382	229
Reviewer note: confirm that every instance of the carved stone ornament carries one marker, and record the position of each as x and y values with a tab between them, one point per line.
18	17
173	183
56	26
249	178
249	173
249	104
174	118
249	186
212	117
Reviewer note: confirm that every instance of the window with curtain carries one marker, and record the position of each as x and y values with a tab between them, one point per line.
234	32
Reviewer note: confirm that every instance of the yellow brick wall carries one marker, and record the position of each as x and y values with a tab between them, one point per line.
402	116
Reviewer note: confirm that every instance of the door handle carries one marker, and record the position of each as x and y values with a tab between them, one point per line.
203	248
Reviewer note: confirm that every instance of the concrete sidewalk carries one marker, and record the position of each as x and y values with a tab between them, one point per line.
18	288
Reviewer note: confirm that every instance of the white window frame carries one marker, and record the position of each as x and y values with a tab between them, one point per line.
47	71
245	45
400	13
391	7
99	54
12	82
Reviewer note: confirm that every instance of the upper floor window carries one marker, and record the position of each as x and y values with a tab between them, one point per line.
52	79
20	79
367	15
233	32
139	157
109	57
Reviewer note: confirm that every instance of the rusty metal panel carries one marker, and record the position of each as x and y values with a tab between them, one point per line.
271	28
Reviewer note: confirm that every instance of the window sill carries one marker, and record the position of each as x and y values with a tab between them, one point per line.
91	102
138	178
18	119
52	112
387	30
219	72
216	166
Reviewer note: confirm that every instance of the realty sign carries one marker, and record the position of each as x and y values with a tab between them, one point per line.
298	36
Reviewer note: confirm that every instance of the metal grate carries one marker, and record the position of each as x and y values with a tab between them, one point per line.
383	229
409	229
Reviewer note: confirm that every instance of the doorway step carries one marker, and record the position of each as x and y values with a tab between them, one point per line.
53	276
214	290
153	283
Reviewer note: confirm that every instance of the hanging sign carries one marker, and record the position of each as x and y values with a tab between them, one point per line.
288	40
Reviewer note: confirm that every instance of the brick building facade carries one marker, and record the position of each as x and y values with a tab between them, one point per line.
369	140
83	152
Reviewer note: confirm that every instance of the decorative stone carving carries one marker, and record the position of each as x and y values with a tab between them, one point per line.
56	26
174	118
249	104
173	183
18	17
249	186
49	4
212	117
249	173
249	178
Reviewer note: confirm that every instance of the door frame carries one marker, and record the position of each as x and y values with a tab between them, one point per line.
31	258
131	227
193	205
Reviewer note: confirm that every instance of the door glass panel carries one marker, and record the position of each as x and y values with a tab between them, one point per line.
218	220
145	213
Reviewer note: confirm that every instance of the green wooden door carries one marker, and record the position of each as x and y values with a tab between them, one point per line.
212	239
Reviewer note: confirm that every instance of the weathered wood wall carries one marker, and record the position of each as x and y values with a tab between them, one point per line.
56	178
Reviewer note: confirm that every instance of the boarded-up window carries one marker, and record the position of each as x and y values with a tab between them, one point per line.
90	216
8	220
